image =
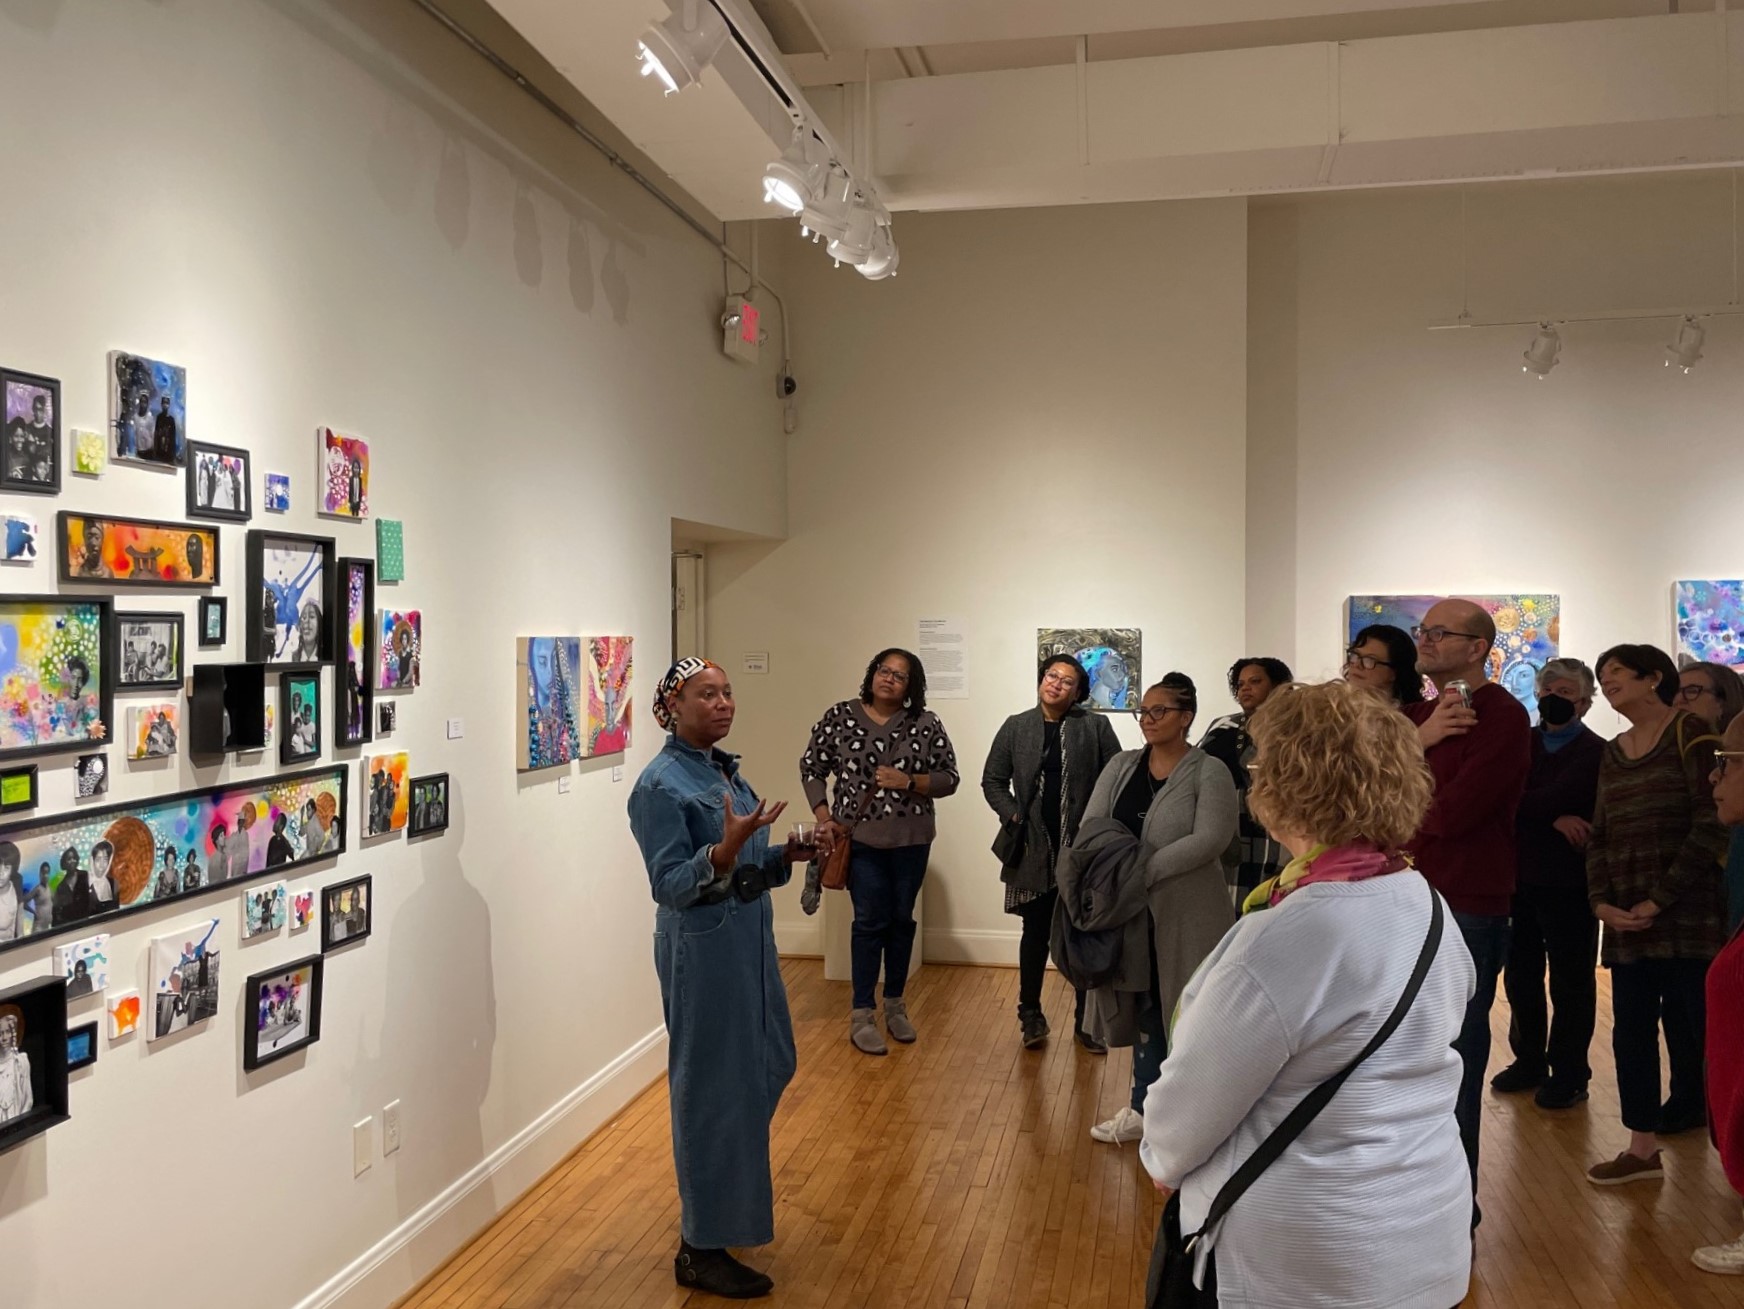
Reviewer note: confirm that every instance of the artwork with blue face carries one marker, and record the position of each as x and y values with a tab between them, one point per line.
1528	633
1111	658
547	668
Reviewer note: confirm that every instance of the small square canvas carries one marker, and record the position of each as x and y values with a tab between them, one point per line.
1710	622
343	481
148	410
302	908
278	493
184	979
85	965
123	1010
18	534
1111	657
91	776
152	730
265	908
546	668
384	780
90	453
402	648
390	550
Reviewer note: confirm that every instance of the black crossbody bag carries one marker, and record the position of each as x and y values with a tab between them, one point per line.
1170	1284
1013	838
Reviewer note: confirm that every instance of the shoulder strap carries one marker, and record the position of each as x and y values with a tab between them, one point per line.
871	787
1311	1104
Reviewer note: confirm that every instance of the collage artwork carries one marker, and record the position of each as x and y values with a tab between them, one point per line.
344	475
546	668
115	549
51	671
608	695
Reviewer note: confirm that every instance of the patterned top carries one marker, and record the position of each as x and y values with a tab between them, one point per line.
1656	837
849	745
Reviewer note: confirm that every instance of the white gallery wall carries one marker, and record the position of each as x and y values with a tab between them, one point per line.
1039	422
334	214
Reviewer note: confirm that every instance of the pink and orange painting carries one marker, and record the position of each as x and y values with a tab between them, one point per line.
137	552
608	694
343	478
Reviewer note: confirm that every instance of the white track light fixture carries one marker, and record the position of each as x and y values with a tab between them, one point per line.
1686	347
882	262
795	180
675	50
1541	355
826	217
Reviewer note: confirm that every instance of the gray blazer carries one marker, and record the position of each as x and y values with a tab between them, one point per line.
1087	743
1186	831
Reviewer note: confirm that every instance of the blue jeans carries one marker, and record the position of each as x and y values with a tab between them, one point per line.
884	884
1487	939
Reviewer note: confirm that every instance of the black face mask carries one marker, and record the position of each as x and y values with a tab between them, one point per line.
1555	710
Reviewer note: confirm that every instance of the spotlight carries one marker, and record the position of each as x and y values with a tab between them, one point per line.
1541	355
854	245
677	48
827	216
882	262
1686	347
793	181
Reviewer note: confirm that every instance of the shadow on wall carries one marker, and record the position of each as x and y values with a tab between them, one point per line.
24	1181
37	15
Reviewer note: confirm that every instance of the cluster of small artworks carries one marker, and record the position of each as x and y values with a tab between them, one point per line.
1528	633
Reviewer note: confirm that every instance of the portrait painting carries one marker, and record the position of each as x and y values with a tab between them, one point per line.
123	1009
278	493
353	680
385	777
343	477
300	706
30	433
56	681
183	979
91	776
291	593
401	637
1710	622
136	551
150	653
84	964
281	1009
546	668
153	730
1528	634
148	410
219	482
18	538
608	694
265	908
346	912
429	804
1111	657
302	908
90	453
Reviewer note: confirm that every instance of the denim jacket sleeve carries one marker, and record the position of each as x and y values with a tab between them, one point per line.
678	864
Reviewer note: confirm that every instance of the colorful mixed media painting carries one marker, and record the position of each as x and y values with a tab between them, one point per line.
153	730
264	909
148	410
184	979
546	668
1528	633
291	621
54	684
385	778
85	965
608	694
344	475
1710	623
302	908
401	634
1111	657
278	493
18	533
352	677
136	551
123	1009
90	453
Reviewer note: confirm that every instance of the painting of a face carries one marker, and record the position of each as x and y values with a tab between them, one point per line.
51	654
402	640
547	668
1528	634
1111	657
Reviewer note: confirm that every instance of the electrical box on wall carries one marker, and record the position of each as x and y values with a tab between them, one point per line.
742	329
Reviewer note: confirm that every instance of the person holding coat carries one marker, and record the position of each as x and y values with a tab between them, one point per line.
1039	774
703	834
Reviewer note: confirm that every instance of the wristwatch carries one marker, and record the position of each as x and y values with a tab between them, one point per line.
910	785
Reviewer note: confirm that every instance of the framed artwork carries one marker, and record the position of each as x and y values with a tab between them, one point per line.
384	777
1710	622
1111	657
18	788
148	652
148	410
91	776
30	433
123	1009
183	978
342	478
608	694
402	649
390	550
429	804
264	909
352	678
90	453
79	871
154	730
291	597
214	620
281	1012
18	537
346	912
84	965
81	1046
300	709
33	1059
1528	634
56	671
387	717
302	908
278	493
136	551
219	478
546	668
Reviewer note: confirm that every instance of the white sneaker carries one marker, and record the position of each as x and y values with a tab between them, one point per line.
1727	1258
1126	1126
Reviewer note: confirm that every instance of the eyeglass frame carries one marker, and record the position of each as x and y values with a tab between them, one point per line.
1368	663
900	678
1158	713
1720	761
1427	635
1695	691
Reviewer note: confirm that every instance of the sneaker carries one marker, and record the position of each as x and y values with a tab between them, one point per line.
1625	1167
896	1020
1727	1259
1035	1028
718	1273
864	1033
1516	1077
1127	1125
1090	1043
1554	1096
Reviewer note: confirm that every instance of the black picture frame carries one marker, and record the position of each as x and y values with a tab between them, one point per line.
254	1029
261	625
428	826
71	525
81	1046
40	1005
227	710
118	651
30	441
387	718
295	683
196	450
338	929
354	669
102	729
133	859
10	778
209	605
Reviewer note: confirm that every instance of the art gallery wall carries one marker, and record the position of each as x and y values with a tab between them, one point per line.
332	214
1038	423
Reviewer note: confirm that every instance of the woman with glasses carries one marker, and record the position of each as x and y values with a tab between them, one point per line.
1654	881
1039	774
890	759
1725	1005
1255	856
1180	804
1383	658
1714	693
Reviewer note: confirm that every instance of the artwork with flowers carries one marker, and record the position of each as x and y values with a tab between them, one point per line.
56	685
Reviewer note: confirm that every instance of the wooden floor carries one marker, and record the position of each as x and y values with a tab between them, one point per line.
958	1172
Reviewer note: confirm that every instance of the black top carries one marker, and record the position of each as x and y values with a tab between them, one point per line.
1134	800
1566	782
1053	776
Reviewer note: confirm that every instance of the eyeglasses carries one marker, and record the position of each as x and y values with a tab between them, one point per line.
894	674
1368	663
1436	635
1067	680
1158	714
1694	691
1722	758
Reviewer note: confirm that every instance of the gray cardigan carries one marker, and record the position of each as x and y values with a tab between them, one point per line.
1187	829
1087	743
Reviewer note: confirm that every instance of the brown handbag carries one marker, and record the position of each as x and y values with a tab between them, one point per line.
835	865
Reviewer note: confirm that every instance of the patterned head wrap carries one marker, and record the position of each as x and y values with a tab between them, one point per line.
670	685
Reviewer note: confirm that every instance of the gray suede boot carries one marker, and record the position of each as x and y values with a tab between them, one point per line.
896	1021
863	1032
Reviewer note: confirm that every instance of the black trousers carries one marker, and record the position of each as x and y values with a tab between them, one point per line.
1553	925
1645	994
1037	917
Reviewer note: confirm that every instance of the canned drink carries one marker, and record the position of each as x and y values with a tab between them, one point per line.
1462	688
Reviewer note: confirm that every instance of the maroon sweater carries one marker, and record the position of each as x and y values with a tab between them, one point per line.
1466	845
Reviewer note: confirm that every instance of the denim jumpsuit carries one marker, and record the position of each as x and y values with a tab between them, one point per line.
730	1053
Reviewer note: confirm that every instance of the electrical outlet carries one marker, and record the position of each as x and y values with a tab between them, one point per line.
456	728
563	785
391	1128
361	1147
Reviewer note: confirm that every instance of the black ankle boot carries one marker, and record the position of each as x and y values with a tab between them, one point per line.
1035	1026
718	1273
1090	1043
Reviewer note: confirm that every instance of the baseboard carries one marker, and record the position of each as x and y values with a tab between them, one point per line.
948	946
385	1272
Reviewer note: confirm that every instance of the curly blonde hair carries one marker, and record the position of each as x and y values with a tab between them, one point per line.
1338	763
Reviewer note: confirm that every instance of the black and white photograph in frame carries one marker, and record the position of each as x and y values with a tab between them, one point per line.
33	1058
281	1011
299	716
219	481
347	909
290	595
91	776
214	620
148	653
30	433
387	717
429	804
